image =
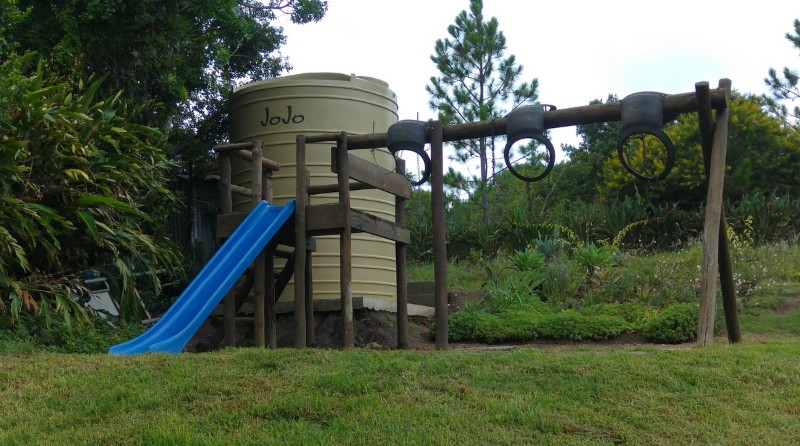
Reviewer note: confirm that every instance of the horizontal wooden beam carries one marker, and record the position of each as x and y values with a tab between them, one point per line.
674	105
236	146
327	219
266	163
370	173
331	188
242	150
236	189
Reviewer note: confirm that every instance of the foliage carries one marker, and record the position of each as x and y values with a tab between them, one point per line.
562	278
530	324
93	337
185	55
82	187
784	86
594	258
527	260
762	155
675	324
636	314
475	80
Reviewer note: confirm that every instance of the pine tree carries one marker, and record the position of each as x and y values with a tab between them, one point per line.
476	80
785	86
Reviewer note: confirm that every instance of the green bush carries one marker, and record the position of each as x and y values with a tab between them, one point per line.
94	336
675	324
530	324
569	324
636	314
81	186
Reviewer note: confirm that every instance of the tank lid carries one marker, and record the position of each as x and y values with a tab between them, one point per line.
366	82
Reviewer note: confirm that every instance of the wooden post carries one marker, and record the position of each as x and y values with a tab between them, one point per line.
727	285
259	264
345	244
402	270
300	245
226	207
716	179
439	236
270	322
310	335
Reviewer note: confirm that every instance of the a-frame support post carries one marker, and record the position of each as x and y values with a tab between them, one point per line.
712	227
727	286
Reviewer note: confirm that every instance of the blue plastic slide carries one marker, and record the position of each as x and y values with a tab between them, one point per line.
174	329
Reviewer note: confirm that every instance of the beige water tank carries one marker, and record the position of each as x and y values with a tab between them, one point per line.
275	111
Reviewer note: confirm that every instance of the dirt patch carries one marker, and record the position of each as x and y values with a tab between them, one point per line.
791	304
378	330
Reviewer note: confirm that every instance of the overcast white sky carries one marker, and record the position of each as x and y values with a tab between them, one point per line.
578	49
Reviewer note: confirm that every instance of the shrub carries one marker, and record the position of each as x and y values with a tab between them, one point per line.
636	314
81	186
675	324
529	324
470	326
569	324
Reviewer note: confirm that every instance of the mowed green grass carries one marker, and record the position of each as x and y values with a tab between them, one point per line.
641	395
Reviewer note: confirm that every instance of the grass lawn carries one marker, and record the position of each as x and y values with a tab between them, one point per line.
724	394
743	394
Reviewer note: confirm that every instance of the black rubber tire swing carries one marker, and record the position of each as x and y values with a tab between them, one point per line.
527	122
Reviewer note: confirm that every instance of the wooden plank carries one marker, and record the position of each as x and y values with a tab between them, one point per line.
366	172
345	243
327	219
708	287
331	188
439	236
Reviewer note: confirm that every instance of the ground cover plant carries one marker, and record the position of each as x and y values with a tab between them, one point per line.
596	293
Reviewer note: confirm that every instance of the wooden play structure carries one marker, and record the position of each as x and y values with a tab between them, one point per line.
710	105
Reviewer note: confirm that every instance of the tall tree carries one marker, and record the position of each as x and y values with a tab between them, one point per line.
785	86
762	157
476	81
584	170
182	54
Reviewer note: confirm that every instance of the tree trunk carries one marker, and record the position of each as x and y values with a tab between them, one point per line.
484	182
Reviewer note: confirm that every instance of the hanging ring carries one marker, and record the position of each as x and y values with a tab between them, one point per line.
410	135
643	113
528	123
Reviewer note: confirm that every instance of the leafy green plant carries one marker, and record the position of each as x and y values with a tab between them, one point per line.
527	260
675	324
82	187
